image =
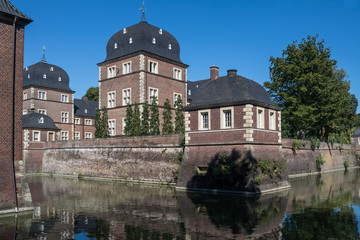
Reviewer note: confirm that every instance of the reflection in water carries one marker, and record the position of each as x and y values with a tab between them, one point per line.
320	207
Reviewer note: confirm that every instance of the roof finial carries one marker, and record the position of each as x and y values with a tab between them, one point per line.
143	18
43	57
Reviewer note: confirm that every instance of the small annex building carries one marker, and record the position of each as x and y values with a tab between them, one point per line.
39	128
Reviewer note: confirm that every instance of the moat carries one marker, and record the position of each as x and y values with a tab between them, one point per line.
323	206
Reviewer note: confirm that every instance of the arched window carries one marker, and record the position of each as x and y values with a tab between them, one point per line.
154	41
169	46
41	120
115	46
44	76
160	31
59	79
124	31
130	41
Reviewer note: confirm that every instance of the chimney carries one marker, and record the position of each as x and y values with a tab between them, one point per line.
232	72
214	72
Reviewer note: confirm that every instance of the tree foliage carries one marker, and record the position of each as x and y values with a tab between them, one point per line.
145	124
135	121
167	127
313	93
154	118
128	121
101	123
92	94
179	117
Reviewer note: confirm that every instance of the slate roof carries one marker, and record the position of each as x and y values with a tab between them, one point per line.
32	120
34	76
356	133
81	105
227	91
142	35
7	8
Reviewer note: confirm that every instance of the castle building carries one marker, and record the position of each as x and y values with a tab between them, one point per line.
142	61
39	127
46	91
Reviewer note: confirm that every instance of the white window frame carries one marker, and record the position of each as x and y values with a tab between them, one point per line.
88	121
260	117
153	67
272	120
126	67
126	96
76	121
76	135
24	112
65	98
64	117
123	126
177	73
111	99
223	116
64	135
201	115
88	135
42	95
42	111
153	92
39	134
176	97
111	71
359	141
25	96
112	127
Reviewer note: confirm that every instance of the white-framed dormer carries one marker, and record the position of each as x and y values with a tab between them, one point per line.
153	92
177	73
272	120
42	111
111	71
260	116
65	98
42	95
204	119
176	96
111	99
126	67
153	67
227	117
126	96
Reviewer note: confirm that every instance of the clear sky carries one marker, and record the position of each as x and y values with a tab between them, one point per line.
240	34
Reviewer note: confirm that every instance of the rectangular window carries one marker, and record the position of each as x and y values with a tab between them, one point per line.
42	95
64	98
177	73
25	96
42	111
176	97
260	118
111	99
111	71
77	121
88	121
64	117
123	126
36	136
126	67
77	136
64	135
272	121
204	120
153	92
126	96
153	67
112	127
88	135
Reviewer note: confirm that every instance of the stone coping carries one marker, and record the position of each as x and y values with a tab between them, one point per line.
297	175
16	210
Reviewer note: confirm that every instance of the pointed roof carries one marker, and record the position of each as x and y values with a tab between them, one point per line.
8	9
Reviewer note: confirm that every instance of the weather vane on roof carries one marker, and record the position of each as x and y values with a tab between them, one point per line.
43	53
143	18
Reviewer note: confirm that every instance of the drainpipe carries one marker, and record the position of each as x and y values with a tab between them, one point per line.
13	117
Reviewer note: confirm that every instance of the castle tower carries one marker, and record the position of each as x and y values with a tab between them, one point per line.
142	61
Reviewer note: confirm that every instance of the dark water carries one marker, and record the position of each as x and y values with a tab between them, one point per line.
316	207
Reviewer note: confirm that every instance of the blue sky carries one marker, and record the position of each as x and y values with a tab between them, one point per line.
229	34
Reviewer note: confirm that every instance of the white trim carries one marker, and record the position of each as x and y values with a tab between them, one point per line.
126	94
234	129
126	67
66	117
153	67
90	135
222	117
75	122
76	138
64	98
43	93
111	71
48	135
175	97
177	73
260	122
112	129
201	114
155	92
111	99
123	126
65	135
87	119
42	111
272	126
33	136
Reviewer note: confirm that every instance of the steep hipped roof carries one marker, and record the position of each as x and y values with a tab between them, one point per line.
46	75
356	133
227	91
39	121
7	8
85	108
143	37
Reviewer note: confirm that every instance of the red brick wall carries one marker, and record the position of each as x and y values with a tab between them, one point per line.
6	59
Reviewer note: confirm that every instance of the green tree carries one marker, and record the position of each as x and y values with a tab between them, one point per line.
154	118
179	117
128	130
145	123
92	94
167	127
101	123
313	93
135	121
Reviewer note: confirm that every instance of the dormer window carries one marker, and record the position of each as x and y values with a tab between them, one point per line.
26	68
52	69
44	76
169	46
41	120
115	46
28	75
130	41
85	110
154	41
160	31
59	79
189	92
124	31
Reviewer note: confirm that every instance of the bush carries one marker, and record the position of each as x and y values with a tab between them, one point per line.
267	168
314	143
297	144
346	165
319	162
